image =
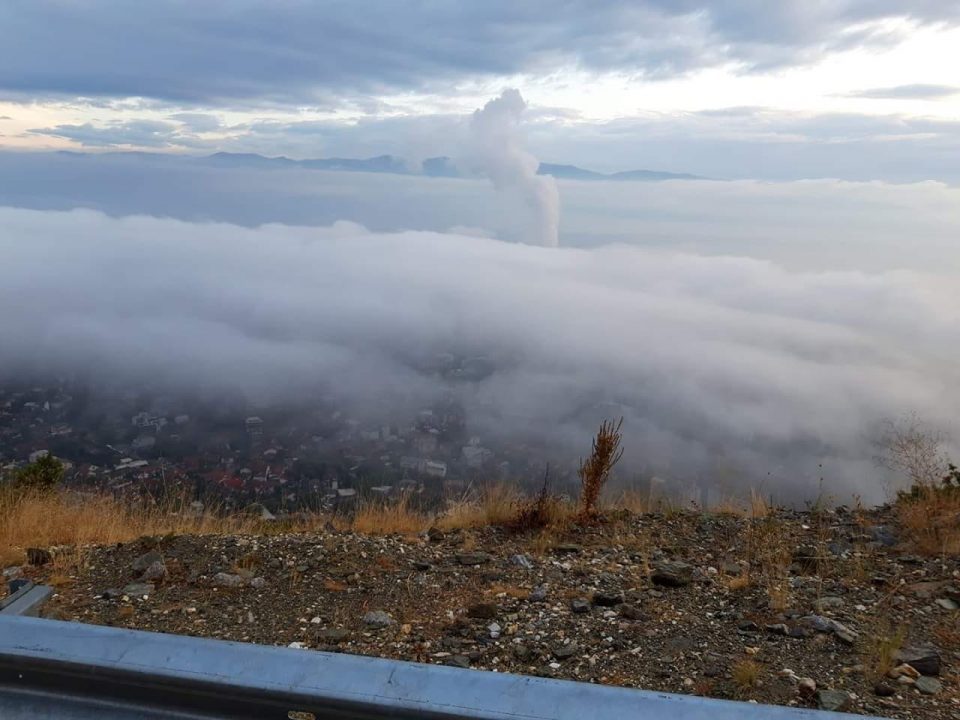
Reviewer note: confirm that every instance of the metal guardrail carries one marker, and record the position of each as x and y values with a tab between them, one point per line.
72	671
26	599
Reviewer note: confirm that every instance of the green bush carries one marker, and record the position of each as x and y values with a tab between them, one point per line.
45	473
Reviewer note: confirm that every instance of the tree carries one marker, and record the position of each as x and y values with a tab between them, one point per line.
45	473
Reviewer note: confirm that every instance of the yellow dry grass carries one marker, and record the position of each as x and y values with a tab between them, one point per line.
931	519
45	519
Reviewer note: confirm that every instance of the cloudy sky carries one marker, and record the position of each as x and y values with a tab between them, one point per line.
858	89
753	330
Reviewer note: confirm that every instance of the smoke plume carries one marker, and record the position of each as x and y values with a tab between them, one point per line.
496	152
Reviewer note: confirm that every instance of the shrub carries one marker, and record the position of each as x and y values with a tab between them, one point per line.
595	470
45	473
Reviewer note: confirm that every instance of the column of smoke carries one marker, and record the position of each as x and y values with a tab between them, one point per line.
498	154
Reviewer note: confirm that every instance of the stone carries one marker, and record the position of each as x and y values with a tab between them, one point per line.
12	572
435	534
538	594
631	612
460	661
883	535
948	604
421	566
567	549
828	602
521	561
495	630
833	700
607	599
146	560
562	652
777	629
156	571
258	583
482	611
807	687
925	658
226	580
580	606
822	624
522	652
138	589
333	636
38	556
473	558
904	669
378	620
928	685
672	574
884	689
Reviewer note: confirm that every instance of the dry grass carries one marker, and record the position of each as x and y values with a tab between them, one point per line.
494	505
45	519
390	518
746	675
595	470
881	649
931	518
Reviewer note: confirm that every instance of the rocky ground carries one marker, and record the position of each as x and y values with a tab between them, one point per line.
828	609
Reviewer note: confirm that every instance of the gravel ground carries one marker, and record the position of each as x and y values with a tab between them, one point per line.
789	609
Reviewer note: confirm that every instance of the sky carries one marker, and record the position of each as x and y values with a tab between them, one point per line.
753	326
856	89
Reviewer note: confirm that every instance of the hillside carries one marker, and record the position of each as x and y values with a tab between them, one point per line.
811	609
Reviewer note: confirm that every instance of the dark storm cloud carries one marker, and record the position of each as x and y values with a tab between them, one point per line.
262	51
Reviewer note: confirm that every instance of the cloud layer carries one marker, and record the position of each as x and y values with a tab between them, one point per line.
725	368
299	52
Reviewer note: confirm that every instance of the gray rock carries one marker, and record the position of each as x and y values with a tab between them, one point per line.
562	652
522	652
822	624
777	629
378	619
113	593
567	549
522	561
928	685
435	534
607	599
473	558
38	556
833	700
146	560
948	604
226	580
138	589
421	566
460	661
12	572
258	583
333	636
828	602
154	572
924	658
883	535
580	605
672	574
538	594
495	630
631	612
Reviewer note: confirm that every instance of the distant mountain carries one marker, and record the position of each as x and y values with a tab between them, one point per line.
431	167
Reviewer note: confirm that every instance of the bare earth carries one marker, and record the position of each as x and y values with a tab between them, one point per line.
780	610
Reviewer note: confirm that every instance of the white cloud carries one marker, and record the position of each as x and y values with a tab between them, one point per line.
716	361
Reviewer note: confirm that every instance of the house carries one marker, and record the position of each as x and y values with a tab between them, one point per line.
434	468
